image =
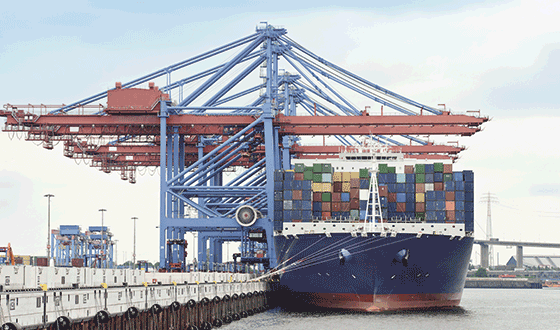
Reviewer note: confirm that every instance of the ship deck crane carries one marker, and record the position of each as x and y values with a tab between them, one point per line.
8	257
197	126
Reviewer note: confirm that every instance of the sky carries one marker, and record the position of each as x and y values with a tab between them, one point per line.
499	57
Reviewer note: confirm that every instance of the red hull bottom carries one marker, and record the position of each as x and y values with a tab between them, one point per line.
385	302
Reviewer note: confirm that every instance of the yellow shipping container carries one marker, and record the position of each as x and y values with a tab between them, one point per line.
327	187
346	187
337	176
345	176
317	186
420	198
354	175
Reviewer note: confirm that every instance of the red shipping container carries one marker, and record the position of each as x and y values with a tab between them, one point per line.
336	197
401	207
336	206
449	195
450	215
326	207
383	191
42	261
298	176
420	187
420	207
354	193
77	262
296	194
337	187
409	169
447	168
392	197
317	196
345	207
354	204
326	215
438	185
354	183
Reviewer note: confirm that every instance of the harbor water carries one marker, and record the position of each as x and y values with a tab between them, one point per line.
480	309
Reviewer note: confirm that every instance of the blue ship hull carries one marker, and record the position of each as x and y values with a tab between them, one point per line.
373	273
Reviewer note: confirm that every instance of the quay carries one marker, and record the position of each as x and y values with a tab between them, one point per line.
88	298
502	283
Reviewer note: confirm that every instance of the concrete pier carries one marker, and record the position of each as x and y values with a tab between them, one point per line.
502	283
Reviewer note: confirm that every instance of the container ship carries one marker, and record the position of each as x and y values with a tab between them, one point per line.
373	231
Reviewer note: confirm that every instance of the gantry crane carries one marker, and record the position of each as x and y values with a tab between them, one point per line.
225	117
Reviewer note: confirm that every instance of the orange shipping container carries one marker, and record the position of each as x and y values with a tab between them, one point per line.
450	206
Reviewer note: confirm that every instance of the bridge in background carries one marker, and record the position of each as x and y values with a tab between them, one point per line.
484	250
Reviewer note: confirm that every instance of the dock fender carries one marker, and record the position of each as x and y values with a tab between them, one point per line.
402	256
102	317
243	314
216	299
63	323
132	313
235	296
242	295
192	327
191	304
227	319
255	293
11	326
205	301
344	256
249	294
217	323
250	312
236	317
175	305
156	309
206	326
226	298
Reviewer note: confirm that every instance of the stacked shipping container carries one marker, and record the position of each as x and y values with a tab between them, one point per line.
426	192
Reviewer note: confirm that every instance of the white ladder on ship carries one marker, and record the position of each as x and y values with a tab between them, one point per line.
374	214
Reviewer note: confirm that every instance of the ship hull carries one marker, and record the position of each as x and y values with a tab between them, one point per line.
372	273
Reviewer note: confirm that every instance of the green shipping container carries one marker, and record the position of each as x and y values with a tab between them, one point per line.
327	168
317	168
391	170
420	168
420	215
438	167
299	168
447	177
383	168
364	173
317	177
326	197
308	175
308	169
420	178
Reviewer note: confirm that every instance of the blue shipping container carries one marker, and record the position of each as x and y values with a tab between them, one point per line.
458	176
468	176
317	206
392	187
440	216
364	184
296	185
306	195
469	186
296	205
306	215
287	194
431	195
410	188
401	178
469	196
307	205
459	186
383	201
459	195
410	178
288	185
411	198
287	215
401	187
278	175
410	207
431	206
278	196
469	206
430	215
392	207
278	205
345	197
449	185
401	197
278	215
289	176
278	185
306	185
383	178
459	215
363	205
296	215
459	205
440	195
429	178
438	177
391	177
440	205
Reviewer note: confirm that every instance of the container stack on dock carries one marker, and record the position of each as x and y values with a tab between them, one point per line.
422	192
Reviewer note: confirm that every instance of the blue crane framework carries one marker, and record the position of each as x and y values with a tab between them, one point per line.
223	118
70	243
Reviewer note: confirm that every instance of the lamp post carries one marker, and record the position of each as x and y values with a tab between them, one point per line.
103	238
116	263
134	246
49	228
